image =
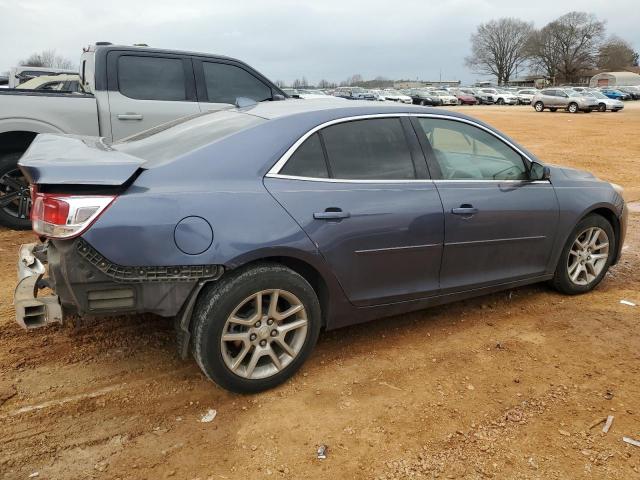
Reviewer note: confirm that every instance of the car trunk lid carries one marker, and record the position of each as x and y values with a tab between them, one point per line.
75	160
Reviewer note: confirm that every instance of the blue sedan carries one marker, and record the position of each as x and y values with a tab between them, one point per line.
614	94
257	227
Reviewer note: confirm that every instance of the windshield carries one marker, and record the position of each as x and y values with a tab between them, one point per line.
173	139
597	95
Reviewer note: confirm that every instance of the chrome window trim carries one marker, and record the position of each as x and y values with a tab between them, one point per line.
345	180
274	172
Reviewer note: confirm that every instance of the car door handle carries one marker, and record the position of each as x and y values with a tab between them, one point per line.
130	116
331	214
464	209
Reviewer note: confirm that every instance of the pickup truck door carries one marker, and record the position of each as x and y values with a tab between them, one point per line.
221	84
147	89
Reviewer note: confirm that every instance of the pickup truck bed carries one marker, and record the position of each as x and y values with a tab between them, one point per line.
55	112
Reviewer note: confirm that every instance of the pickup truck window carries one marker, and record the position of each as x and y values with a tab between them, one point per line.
151	78
225	83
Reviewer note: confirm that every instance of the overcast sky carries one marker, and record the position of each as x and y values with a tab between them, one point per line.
285	39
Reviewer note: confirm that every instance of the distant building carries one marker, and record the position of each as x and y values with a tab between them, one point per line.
425	83
538	81
613	79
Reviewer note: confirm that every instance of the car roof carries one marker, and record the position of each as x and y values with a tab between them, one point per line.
337	108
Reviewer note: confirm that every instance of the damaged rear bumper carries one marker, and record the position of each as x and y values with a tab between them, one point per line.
34	311
85	283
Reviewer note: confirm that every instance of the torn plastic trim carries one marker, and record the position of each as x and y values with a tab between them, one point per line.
175	273
33	311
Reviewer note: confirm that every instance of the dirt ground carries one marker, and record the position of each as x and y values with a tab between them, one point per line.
504	386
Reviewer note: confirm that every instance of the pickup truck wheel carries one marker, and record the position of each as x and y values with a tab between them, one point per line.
255	327
15	198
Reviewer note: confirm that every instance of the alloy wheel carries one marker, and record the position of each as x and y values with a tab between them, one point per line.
588	256
15	198
539	106
264	334
573	108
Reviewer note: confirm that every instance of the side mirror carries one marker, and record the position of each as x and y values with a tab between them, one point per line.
539	172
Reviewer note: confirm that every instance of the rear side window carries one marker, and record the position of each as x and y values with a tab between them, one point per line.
151	78
225	83
308	160
368	150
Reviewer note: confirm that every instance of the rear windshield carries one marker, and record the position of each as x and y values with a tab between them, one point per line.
173	139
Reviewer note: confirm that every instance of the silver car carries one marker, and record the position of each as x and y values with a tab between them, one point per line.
570	100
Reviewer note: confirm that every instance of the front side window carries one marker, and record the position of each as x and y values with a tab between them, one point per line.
466	152
151	78
226	83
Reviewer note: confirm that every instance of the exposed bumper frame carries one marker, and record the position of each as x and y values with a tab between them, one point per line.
33	311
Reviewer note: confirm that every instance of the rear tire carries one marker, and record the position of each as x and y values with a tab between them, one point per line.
14	191
572	108
539	107
500	101
235	297
569	261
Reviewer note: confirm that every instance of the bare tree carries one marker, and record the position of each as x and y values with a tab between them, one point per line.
544	52
615	54
280	83
498	47
577	37
48	59
354	79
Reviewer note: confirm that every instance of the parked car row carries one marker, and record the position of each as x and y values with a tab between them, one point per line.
434	96
576	99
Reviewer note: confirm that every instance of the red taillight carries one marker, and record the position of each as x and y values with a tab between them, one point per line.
58	215
50	209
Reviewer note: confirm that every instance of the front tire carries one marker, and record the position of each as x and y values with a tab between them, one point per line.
586	256
573	108
539	107
256	327
15	198
602	107
500	101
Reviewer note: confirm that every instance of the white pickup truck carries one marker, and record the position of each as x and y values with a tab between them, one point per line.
130	89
